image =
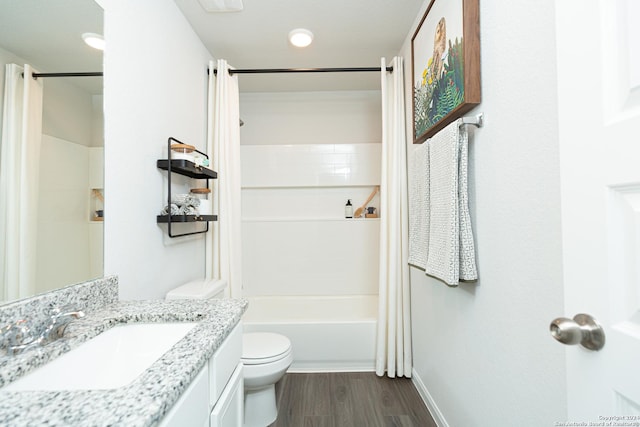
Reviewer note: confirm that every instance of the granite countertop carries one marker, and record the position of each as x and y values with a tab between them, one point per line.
146	400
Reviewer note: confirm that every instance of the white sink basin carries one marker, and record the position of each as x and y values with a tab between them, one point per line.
112	359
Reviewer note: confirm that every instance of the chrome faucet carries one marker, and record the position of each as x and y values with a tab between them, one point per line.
20	336
59	320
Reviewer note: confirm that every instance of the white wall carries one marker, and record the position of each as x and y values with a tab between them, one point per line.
310	117
482	351
67	110
97	121
155	87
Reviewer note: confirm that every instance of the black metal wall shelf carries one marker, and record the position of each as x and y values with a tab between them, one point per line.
186	218
187	168
190	169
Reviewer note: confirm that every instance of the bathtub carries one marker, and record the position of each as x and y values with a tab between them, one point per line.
327	333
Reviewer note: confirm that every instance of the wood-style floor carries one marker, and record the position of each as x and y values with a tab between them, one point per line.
349	399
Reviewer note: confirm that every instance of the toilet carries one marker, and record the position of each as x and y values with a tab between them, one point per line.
266	356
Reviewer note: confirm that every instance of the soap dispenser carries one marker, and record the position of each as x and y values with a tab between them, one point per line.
348	209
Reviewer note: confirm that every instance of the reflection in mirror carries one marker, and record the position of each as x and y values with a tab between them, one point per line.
51	151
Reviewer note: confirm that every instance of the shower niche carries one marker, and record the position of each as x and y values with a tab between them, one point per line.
96	204
181	161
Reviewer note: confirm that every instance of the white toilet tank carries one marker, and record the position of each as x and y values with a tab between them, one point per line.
199	289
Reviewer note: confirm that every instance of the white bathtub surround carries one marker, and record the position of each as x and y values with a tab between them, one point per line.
19	168
308	257
451	254
393	346
296	239
312	165
225	242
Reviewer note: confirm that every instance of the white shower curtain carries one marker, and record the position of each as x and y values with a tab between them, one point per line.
19	166
393	348
224	244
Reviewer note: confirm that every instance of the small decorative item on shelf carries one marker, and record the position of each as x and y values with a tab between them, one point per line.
182	204
200	160
202	194
184	152
371	213
360	210
348	209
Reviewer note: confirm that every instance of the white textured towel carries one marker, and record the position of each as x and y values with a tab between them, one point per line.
451	253
419	207
468	269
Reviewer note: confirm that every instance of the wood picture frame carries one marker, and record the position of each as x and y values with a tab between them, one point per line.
445	58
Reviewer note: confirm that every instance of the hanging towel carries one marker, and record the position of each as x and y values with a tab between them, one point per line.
468	269
419	207
451	253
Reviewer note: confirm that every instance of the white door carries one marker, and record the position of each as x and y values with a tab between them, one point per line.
598	55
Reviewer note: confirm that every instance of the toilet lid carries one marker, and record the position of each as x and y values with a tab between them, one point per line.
263	347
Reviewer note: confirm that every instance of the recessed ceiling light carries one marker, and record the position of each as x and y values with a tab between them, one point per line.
222	5
94	40
300	37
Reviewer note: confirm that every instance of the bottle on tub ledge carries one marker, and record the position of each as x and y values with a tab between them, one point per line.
348	209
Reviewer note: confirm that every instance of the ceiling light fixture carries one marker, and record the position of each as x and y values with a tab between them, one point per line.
94	40
222	5
300	37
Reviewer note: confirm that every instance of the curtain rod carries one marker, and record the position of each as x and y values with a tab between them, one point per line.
87	74
302	70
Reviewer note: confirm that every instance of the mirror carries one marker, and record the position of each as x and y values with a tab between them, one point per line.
67	227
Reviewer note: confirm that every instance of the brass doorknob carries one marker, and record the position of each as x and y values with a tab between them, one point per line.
582	329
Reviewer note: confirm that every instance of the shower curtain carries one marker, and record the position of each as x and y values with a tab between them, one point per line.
224	244
19	166
393	345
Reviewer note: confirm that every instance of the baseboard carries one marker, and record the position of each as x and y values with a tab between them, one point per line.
318	367
428	400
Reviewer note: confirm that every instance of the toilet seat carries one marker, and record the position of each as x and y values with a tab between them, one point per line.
264	347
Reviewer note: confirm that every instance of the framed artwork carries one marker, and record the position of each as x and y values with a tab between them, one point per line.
445	57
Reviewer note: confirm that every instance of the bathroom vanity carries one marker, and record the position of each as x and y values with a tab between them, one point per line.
215	396
198	381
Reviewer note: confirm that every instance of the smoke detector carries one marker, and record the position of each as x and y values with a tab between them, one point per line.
221	5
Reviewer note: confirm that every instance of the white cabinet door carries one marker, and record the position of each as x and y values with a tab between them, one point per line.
192	407
598	54
223	363
229	410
